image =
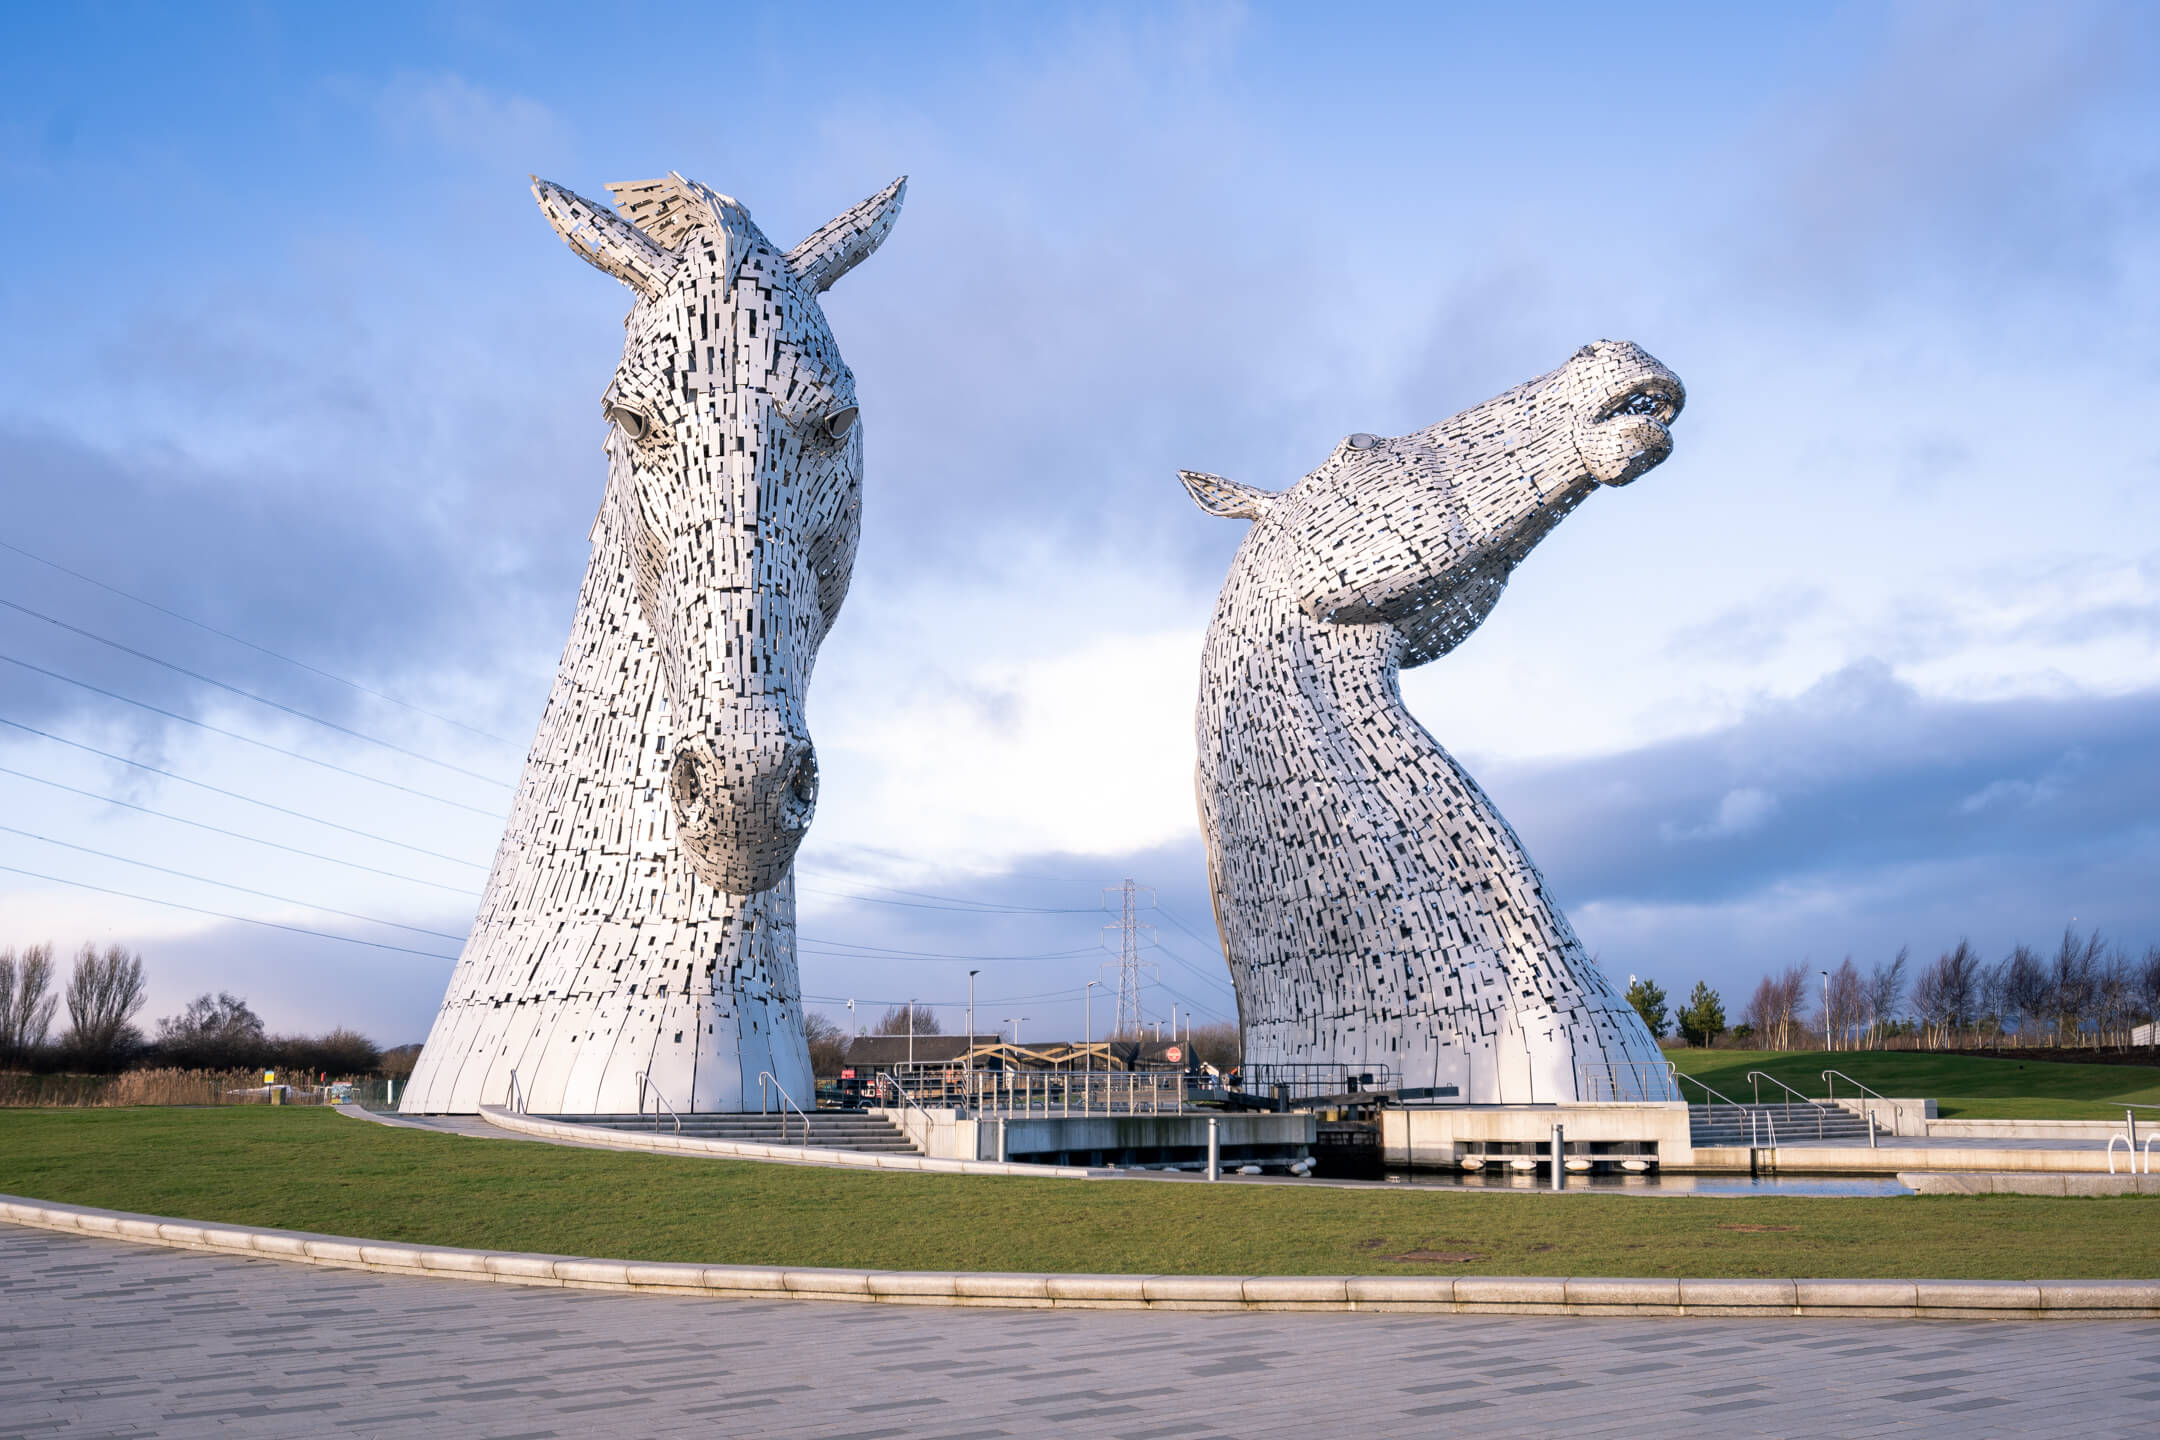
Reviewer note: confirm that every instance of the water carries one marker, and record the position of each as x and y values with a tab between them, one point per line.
1654	1183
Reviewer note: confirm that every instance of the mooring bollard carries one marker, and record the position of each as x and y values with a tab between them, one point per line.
1871	1142
1559	1157
1214	1148
1001	1140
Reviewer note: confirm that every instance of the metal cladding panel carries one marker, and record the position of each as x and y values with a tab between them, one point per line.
640	917
1375	907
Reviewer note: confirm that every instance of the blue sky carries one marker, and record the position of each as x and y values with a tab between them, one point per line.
1873	660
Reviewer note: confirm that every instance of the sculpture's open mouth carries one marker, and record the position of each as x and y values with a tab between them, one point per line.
1650	397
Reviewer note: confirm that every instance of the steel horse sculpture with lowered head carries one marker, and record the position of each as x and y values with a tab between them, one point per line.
636	941
1375	908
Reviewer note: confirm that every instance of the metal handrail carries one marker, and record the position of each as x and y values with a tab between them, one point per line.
902	1091
516	1097
1897	1111
1707	1090
1758	1076
644	1083
787	1101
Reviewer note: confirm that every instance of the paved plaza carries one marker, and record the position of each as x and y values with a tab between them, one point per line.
101	1337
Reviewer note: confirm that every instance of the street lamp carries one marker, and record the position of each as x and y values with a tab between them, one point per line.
1827	1042
911	1033
971	1034
1090	1042
1014	1021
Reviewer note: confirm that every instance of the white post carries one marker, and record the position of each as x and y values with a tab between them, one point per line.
1559	1157
1214	1148
971	1030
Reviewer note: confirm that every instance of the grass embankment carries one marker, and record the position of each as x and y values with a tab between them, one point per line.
317	1170
1968	1086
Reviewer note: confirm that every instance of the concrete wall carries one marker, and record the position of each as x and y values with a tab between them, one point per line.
1428	1136
949	1135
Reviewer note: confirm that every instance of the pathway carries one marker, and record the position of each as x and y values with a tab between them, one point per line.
104	1338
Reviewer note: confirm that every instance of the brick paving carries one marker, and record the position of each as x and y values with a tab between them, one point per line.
104	1338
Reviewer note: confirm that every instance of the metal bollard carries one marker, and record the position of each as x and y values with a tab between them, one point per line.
1001	1140
1559	1158
1214	1148
1871	1141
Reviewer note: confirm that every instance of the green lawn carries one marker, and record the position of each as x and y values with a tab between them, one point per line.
1967	1085
308	1169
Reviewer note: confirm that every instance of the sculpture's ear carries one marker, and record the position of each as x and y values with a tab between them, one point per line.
846	241
1227	498
671	209
606	240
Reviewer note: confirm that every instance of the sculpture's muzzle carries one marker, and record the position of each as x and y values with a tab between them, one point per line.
1621	428
741	812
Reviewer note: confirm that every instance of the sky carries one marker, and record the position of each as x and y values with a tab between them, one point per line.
300	444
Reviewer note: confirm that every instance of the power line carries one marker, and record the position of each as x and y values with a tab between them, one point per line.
235	834
244	739
222	915
250	644
251	695
228	885
971	907
1130	1019
853	951
234	794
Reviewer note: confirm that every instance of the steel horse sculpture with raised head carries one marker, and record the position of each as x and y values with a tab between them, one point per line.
637	934
1375	908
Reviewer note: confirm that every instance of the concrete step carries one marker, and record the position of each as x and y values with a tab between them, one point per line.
1791	1124
872	1133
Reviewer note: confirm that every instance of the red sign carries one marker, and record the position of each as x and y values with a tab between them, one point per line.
1173	1054
847	1074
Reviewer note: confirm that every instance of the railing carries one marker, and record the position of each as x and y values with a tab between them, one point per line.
643	1084
1714	1095
516	1097
1756	1077
787	1103
1311	1081
1626	1080
1077	1092
1758	1120
1897	1111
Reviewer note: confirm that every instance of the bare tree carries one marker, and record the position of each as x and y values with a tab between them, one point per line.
2070	981
2148	991
1846	997
2024	989
215	1032
1947	992
897	1021
26	1009
828	1044
102	997
1776	1004
1886	994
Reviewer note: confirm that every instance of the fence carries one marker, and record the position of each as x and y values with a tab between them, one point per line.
1626	1080
1050	1092
1304	1081
155	1087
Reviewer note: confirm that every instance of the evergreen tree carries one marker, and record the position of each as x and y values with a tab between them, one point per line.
1648	998
1704	1018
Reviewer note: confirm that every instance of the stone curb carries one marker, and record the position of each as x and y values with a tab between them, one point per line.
793	1154
1553	1295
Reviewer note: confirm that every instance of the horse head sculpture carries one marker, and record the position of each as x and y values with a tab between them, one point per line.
735	478
1375	908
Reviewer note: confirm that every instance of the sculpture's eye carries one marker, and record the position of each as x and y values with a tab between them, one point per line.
840	421
633	422
1362	441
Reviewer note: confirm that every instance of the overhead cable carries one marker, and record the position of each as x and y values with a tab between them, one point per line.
145	655
223	915
235	834
250	644
228	885
245	739
234	794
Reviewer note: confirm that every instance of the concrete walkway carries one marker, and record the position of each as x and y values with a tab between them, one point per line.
107	1338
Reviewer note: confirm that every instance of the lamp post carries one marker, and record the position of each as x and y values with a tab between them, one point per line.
1827	1043
971	1035
911	1032
1089	1045
1014	1021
